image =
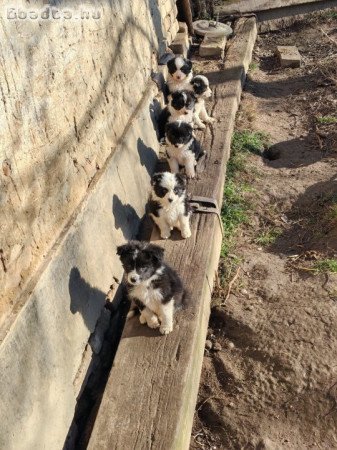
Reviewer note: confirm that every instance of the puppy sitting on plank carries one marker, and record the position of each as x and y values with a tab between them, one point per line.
169	206
182	148
179	73
151	284
202	91
181	106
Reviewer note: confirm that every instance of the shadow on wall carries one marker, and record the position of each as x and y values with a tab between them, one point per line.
147	156
85	299
126	217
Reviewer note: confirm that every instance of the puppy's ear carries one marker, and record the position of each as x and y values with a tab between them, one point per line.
156	252
156	178
123	250
189	64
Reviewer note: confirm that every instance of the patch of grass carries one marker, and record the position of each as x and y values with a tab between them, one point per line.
235	209
249	141
326	120
254	66
329	14
326	265
268	237
244	142
332	212
234	212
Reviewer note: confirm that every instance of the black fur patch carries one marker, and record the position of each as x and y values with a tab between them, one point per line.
153	207
199	85
179	132
196	148
141	256
182	99
162	121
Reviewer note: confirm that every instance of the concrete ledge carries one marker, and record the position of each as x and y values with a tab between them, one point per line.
150	397
45	353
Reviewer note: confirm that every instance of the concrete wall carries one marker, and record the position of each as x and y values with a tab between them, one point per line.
78	146
68	89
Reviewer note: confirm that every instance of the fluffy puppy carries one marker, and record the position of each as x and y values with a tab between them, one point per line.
151	284
202	91
179	73
182	148
169	207
180	107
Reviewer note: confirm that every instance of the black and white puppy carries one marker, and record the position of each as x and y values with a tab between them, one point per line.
151	284
182	148
202	91
180	107
179	73
169	207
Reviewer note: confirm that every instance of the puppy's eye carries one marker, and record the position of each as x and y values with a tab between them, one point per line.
161	192
176	190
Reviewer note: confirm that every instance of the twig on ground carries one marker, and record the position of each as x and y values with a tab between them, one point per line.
206	400
326	34
230	285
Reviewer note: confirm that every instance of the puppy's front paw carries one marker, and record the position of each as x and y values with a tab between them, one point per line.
142	319
190	175
153	322
201	126
165	235
166	329
186	234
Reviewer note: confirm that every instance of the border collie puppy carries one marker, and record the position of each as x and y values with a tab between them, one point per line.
179	73
169	207
182	147
151	284
201	89
180	107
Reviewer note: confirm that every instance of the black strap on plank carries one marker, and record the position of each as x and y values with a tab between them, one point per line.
206	205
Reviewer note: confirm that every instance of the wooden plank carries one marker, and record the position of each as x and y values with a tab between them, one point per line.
150	397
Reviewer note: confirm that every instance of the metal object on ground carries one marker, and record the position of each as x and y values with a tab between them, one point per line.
211	28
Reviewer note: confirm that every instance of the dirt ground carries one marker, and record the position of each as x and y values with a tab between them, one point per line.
270	379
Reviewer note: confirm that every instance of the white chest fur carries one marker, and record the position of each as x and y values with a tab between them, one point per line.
181	154
149	296
172	212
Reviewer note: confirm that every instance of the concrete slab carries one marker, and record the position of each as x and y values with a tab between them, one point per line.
213	47
150	397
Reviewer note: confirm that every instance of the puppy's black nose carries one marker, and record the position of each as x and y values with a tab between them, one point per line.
170	200
186	112
177	145
133	279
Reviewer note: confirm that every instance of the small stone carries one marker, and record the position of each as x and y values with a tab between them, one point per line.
244	291
230	345
288	55
180	45
231	405
217	347
208	344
